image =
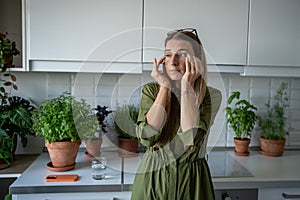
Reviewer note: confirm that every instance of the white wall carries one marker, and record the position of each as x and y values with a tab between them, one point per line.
113	89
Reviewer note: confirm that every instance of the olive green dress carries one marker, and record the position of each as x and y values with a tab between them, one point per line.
172	172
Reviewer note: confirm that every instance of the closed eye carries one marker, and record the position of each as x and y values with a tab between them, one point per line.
168	55
182	54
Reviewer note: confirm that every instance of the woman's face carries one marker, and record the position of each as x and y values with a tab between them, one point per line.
176	53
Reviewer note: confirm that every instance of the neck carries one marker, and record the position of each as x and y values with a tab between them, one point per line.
177	84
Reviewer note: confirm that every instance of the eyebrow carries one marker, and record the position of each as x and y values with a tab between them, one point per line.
178	49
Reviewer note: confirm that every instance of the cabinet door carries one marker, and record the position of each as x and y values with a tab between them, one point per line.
65	32
274	37
75	196
222	27
279	193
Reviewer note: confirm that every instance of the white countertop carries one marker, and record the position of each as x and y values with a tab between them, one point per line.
32	180
268	172
228	171
235	172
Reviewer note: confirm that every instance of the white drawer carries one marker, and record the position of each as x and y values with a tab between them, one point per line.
279	193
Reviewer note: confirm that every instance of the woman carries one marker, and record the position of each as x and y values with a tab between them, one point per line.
176	112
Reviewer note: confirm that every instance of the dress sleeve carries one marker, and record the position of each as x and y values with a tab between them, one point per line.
207	111
146	134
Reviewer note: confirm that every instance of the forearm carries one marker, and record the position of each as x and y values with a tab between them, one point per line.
156	116
189	110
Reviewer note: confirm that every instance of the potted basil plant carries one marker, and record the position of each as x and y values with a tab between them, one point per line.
241	117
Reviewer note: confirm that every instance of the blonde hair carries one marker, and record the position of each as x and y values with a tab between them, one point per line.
192	37
200	85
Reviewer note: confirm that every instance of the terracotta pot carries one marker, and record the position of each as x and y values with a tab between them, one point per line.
93	147
8	60
241	146
272	147
128	147
63	154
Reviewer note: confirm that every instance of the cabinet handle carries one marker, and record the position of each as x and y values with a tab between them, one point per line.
290	196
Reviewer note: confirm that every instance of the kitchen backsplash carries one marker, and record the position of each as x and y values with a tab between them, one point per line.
114	89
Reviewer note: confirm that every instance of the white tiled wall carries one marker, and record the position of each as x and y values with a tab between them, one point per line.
116	89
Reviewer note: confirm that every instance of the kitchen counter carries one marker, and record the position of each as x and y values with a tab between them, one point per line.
33	179
237	172
268	172
228	171
19	165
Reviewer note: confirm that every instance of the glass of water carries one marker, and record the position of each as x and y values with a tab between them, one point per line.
99	168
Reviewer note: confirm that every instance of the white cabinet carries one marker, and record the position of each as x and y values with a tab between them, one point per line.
75	196
279	193
274	35
76	35
222	27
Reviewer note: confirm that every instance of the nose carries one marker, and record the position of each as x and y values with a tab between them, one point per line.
174	59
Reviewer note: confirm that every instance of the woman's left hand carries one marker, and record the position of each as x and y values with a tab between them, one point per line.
193	69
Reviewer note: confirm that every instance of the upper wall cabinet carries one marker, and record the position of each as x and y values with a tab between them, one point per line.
274	36
222	27
77	35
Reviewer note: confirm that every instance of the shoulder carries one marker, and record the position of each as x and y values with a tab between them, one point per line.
214	94
150	88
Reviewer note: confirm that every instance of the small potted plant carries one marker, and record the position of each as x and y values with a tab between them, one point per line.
92	140
125	118
241	118
273	125
60	121
8	49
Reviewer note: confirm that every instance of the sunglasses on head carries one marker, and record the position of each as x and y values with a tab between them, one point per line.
190	32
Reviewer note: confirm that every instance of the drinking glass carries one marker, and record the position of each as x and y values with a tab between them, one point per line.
99	168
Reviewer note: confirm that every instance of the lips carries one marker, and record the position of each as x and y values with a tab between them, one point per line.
174	74
174	71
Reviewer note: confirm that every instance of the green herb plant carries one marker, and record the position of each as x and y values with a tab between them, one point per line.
64	119
241	117
125	118
272	124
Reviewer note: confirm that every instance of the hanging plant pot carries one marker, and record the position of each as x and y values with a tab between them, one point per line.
8	61
241	146
272	147
128	147
62	155
93	147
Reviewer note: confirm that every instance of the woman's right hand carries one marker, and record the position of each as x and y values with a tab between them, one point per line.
160	77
